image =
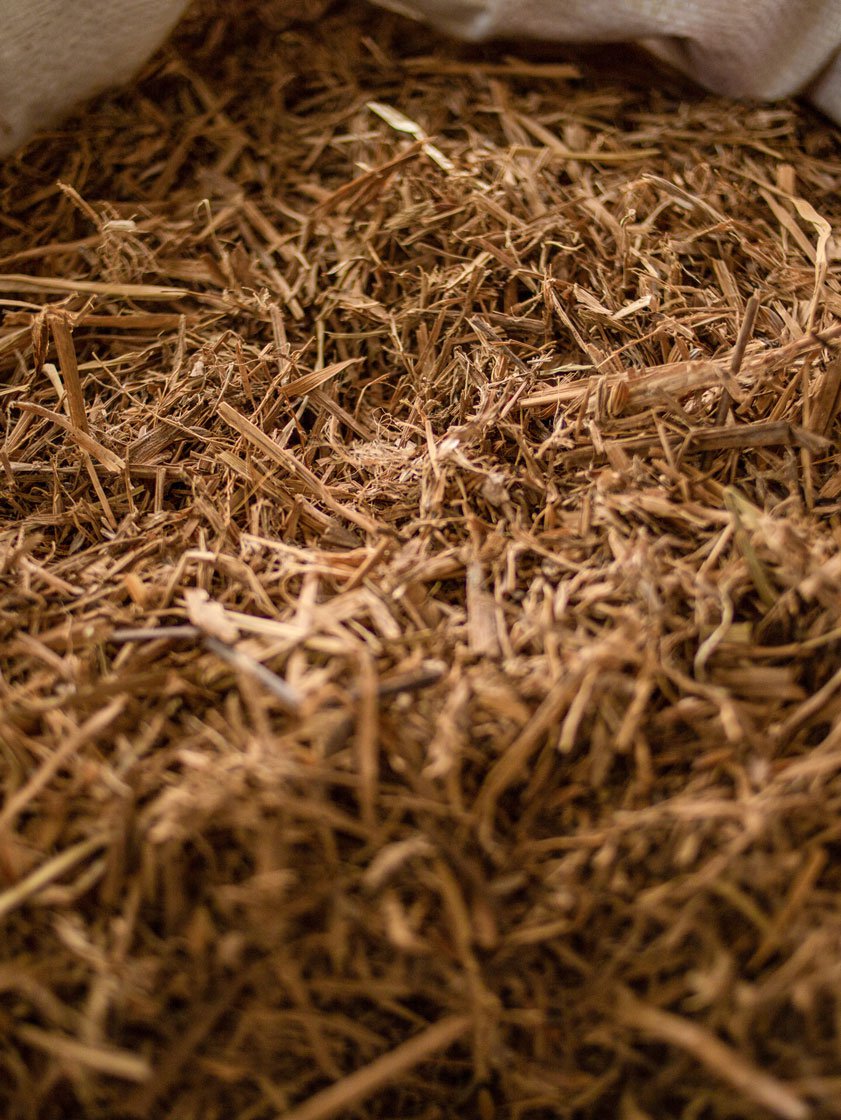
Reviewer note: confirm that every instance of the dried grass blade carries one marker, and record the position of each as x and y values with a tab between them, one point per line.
751	1082
357	1087
69	370
305	384
108	459
13	282
73	1052
47	873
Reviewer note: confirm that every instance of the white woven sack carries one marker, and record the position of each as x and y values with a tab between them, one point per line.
54	53
745	48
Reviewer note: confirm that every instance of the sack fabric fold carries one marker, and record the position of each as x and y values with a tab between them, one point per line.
762	49
55	53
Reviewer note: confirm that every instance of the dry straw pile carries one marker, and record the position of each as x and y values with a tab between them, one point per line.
419	591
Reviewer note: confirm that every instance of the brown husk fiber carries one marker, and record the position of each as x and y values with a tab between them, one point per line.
419	589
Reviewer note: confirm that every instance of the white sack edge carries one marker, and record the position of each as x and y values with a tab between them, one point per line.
762	49
55	53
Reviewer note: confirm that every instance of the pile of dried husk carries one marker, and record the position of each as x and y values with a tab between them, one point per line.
419	590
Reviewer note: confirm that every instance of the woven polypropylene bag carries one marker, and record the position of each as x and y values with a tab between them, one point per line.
745	48
53	53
